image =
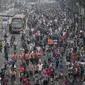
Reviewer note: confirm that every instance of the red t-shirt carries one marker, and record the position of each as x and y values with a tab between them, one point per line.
25	56
75	58
21	69
25	79
50	71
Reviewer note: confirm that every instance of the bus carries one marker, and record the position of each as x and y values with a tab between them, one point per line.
18	23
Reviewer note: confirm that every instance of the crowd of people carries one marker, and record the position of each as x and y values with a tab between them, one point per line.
52	44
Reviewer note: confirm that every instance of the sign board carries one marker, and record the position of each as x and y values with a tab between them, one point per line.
5	19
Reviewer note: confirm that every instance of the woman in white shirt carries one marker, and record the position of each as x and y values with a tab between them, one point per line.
40	66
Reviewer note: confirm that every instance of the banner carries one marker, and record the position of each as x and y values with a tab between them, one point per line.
50	41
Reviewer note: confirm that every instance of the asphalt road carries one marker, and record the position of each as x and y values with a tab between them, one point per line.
18	51
18	48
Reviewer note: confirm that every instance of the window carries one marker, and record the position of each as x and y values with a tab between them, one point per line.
17	24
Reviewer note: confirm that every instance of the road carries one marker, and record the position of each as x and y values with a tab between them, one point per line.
18	48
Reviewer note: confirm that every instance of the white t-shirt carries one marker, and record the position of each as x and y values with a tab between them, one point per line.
38	48
64	33
40	67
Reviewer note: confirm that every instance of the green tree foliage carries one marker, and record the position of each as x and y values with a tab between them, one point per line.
82	3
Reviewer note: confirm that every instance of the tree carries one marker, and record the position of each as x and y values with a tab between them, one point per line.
82	3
